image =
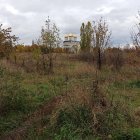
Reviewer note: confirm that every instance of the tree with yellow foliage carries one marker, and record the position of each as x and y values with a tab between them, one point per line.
7	42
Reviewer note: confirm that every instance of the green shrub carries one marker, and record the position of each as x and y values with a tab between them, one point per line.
135	84
73	123
132	134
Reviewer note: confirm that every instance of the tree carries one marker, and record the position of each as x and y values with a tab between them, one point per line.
7	42
49	40
89	31
135	33
101	39
86	37
83	37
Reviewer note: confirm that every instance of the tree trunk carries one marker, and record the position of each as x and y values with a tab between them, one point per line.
99	61
15	58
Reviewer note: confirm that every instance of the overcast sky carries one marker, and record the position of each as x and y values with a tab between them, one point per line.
26	17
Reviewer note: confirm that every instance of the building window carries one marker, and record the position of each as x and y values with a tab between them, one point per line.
66	38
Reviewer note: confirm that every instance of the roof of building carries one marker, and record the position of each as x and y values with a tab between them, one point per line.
70	35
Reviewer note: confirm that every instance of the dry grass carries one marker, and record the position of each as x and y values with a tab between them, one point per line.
78	79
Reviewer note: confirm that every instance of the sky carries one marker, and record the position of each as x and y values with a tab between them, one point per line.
26	17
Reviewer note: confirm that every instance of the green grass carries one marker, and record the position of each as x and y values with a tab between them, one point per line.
135	84
11	121
18	99
128	91
132	134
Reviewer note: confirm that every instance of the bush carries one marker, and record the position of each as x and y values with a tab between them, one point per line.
114	57
72	123
79	120
86	56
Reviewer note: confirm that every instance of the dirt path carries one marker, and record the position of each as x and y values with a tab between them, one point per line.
46	109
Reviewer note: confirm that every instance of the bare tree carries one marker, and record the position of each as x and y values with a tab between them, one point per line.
135	33
50	39
101	39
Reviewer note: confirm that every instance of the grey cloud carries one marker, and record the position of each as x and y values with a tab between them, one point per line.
26	17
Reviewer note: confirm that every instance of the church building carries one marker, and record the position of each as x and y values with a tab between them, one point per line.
71	44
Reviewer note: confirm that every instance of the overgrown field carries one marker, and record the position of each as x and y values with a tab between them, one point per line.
74	102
